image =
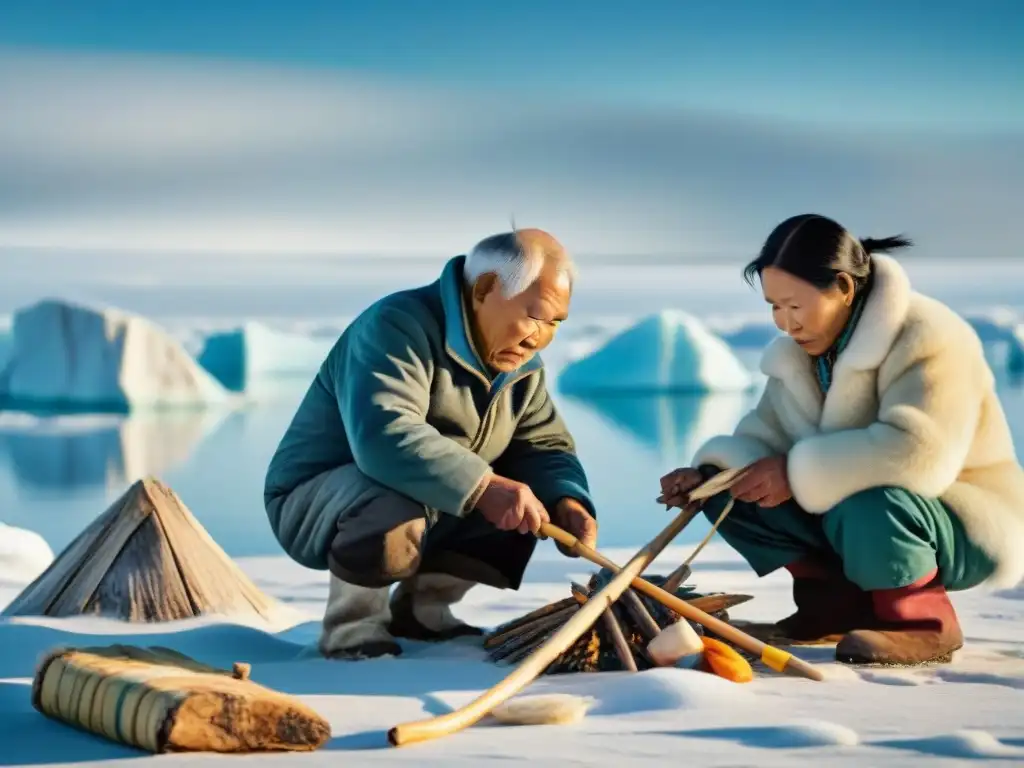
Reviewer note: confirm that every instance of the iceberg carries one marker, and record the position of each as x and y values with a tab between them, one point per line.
670	351
991	329
1015	353
751	335
68	356
254	350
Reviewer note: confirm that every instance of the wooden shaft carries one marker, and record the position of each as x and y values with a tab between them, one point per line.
676	578
549	619
716	603
579	592
541	659
527	635
503	630
619	639
776	659
521	653
648	627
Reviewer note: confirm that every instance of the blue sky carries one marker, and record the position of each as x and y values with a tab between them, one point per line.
415	127
941	64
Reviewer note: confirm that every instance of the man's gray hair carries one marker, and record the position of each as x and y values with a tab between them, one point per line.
517	258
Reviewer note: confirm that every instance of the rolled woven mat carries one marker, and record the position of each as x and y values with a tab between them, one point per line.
159	700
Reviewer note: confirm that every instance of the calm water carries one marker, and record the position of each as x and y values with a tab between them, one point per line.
54	481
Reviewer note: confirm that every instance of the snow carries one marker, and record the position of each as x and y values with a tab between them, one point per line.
23	555
254	350
73	356
669	351
966	710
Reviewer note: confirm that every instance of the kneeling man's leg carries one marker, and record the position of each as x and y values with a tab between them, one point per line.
368	537
380	539
457	554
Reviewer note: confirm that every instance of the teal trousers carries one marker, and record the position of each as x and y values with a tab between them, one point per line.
883	537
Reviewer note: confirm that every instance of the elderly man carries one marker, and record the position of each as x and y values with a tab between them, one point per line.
427	452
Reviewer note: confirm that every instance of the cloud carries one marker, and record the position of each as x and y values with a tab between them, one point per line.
133	152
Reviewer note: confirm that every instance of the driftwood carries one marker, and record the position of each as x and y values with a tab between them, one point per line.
637	618
161	701
622	649
146	559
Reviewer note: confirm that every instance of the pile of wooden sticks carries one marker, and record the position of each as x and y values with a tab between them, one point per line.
616	642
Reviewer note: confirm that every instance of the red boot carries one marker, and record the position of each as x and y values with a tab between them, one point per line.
828	606
917	625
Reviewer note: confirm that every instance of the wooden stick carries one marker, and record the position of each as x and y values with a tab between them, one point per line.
536	663
539	613
716	603
774	658
713	486
682	573
552	617
535	632
648	627
521	653
619	639
579	592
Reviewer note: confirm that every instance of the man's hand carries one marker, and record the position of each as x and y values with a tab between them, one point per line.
676	486
571	516
767	483
511	505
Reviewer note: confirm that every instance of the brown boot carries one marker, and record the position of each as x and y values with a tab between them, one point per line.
828	606
918	625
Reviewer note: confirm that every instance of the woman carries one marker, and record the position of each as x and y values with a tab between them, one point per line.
882	470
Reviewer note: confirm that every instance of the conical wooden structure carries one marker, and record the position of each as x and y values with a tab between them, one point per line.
146	559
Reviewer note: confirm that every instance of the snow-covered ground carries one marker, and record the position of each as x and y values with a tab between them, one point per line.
944	715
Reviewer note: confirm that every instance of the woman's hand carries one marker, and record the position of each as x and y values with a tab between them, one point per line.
676	485
766	484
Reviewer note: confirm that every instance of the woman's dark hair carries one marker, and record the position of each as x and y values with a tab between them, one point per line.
816	249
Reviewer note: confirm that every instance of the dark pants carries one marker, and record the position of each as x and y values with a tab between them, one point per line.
371	536
883	538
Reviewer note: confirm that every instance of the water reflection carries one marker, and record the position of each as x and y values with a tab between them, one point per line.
673	427
70	453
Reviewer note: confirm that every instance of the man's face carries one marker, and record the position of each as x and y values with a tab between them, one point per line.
509	332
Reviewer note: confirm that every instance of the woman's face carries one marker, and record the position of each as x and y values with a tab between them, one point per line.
812	317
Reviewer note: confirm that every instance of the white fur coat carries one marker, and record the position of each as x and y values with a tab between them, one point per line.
912	404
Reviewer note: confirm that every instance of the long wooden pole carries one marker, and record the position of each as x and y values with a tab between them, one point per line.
774	658
545	654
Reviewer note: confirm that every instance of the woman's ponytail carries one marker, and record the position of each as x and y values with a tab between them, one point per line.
885	244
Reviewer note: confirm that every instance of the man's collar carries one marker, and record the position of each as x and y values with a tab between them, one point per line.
459	338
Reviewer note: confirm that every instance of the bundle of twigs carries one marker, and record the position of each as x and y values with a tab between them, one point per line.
618	641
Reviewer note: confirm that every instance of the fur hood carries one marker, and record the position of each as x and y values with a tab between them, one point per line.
912	404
